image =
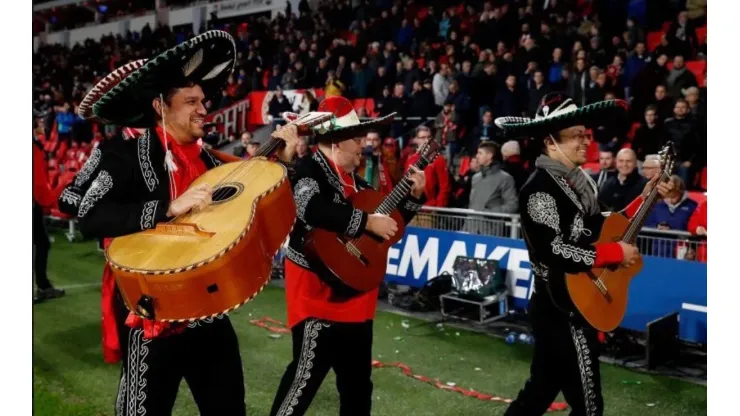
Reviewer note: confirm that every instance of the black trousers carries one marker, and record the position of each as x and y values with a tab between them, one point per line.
566	358
318	346
41	242
206	355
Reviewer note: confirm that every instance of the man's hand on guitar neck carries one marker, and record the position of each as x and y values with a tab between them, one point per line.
381	225
289	135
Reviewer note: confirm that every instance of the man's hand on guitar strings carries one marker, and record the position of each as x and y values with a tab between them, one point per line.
194	199
419	180
289	135
630	254
382	225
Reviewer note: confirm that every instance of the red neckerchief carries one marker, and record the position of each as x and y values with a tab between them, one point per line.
188	161
347	179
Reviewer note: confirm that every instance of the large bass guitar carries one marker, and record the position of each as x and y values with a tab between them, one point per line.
204	263
600	294
360	262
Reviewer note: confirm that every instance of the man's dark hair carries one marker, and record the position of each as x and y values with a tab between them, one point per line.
651	107
492	148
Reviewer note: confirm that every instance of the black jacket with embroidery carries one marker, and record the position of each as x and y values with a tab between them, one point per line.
130	189
320	202
559	235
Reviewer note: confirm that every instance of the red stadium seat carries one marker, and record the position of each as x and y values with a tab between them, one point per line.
593	167
592	153
666	26
703	180
633	130
370	106
653	40
698	68
359	103
699	197
701	33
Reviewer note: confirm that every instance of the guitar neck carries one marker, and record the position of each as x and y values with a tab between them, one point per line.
390	203
630	236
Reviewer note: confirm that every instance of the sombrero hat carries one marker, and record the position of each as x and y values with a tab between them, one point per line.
556	112
206	60
85	109
346	124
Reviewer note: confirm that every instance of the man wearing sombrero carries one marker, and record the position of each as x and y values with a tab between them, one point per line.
138	183
332	325
561	220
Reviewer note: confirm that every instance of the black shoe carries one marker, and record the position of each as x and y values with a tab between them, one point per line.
48	293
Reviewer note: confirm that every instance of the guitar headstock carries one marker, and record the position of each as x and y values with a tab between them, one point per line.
429	151
306	122
667	159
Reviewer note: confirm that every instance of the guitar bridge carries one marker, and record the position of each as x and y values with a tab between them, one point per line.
353	250
600	285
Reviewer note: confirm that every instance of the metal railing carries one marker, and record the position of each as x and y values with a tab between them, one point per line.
652	242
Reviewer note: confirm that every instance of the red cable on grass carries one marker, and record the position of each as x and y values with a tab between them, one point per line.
273	325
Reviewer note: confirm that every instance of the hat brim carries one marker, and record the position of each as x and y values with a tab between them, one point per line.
85	109
588	115
206	60
339	134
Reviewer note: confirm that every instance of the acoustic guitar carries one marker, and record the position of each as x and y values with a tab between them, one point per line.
600	294
360	262
204	263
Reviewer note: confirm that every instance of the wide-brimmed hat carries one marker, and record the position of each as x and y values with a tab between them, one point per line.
556	112
206	60
346	124
85	109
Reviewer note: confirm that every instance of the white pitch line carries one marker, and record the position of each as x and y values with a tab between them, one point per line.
695	308
80	286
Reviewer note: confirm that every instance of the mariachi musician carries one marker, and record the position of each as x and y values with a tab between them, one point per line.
561	220
331	324
133	185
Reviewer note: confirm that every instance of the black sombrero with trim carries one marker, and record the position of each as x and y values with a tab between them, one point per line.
206	60
556	112
85	109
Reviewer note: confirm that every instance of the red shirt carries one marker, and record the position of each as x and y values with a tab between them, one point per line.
307	296
43	194
438	185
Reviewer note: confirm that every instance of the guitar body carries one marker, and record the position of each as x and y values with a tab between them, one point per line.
604	311
362	272
213	261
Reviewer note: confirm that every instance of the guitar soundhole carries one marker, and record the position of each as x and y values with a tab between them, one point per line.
226	192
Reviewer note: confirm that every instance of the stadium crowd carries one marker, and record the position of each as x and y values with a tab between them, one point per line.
448	68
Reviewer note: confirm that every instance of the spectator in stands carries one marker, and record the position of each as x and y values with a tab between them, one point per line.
509	102
422	101
275	79
464	78
513	163
651	166
65	120
361	77
578	82
484	86
650	136
682	36
620	190
483	132
607	168
462	184
289	79
698	226
447	127
663	103
441	84
279	104
462	104
241	149
379	82
492	190
644	85
438	186
373	166
636	62
681	130
302	151
697	106
671	213
679	78
333	85
537	90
